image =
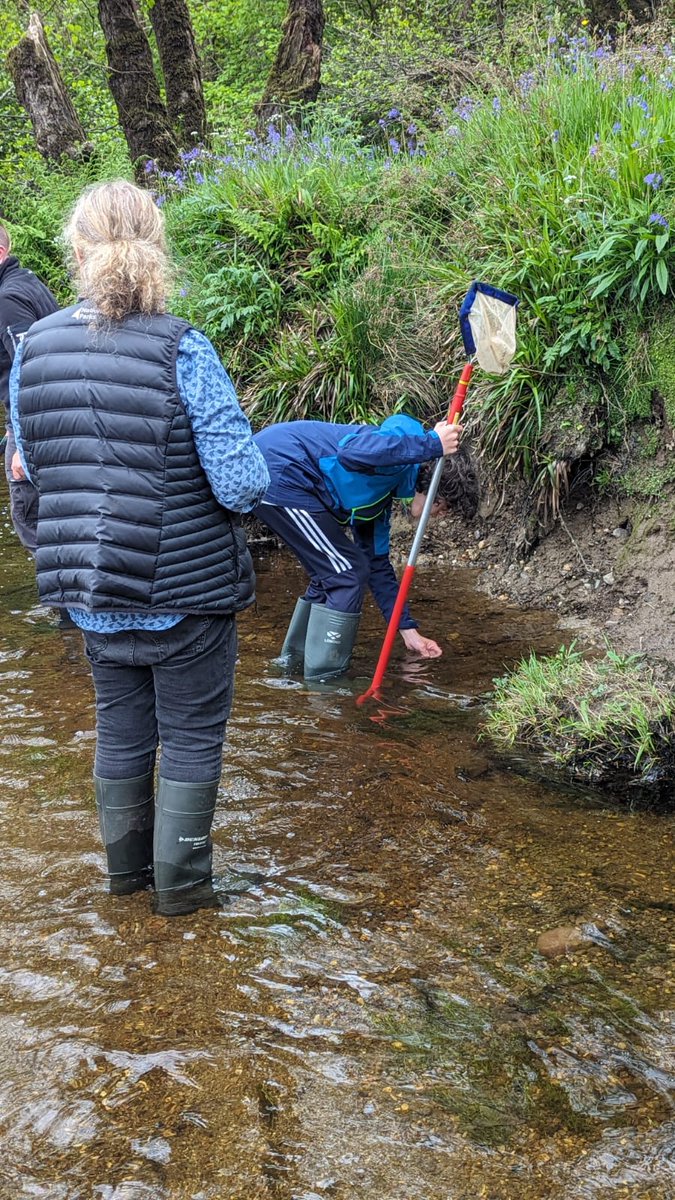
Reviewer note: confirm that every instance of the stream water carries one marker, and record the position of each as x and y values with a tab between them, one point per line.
373	1021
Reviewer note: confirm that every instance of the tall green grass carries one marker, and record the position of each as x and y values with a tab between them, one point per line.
352	259
596	718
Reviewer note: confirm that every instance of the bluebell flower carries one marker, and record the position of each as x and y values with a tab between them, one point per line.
393	114
654	180
616	127
149	166
555	136
160	200
412	129
496	105
658	219
632	101
526	82
198	177
394	145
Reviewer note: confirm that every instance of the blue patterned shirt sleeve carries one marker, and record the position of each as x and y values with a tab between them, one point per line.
233	464
14	405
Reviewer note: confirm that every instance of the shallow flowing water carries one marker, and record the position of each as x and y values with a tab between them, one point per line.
375	1020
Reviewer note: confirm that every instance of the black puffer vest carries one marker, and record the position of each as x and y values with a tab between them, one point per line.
127	519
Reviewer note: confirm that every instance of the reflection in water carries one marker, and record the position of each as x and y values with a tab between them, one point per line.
375	1019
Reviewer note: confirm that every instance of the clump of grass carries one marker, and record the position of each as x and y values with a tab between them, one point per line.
603	719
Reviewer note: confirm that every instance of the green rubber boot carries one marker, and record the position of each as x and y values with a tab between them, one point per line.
292	657
125	813
183	850
329	642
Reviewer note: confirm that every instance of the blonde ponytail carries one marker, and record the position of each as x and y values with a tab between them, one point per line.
116	233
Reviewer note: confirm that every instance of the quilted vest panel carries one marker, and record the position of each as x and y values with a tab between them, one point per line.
127	519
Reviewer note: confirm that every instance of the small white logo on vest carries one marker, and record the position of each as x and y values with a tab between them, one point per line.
333	635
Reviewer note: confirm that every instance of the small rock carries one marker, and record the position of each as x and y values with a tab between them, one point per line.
621	533
608	579
567	567
556	942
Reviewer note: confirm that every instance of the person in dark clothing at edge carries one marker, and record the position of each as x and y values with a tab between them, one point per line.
143	460
326	478
23	300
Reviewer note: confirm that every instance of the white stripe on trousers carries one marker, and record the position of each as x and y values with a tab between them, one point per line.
317	538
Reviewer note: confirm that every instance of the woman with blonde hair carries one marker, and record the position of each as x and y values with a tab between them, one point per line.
131	431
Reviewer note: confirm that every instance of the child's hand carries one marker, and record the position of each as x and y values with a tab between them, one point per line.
421	645
450	436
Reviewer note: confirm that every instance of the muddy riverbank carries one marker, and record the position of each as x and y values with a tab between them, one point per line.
606	568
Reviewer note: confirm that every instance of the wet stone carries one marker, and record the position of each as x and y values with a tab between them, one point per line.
556	942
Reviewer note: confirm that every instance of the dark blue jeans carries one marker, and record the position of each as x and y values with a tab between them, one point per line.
172	687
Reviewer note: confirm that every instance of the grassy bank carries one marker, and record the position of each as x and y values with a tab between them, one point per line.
607	721
328	264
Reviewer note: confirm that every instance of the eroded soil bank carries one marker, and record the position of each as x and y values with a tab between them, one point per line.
607	568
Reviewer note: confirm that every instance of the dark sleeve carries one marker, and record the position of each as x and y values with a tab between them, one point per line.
16	316
383	582
370	448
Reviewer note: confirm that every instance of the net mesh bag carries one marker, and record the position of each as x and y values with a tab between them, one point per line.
493	328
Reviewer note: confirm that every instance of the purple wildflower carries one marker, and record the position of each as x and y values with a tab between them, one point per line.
593	151
555	136
496	106
658	219
466	107
393	114
394	145
654	180
638	101
149	166
198	177
616	127
526	82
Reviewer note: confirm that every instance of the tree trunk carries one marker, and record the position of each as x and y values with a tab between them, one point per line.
181	68
295	77
42	92
134	87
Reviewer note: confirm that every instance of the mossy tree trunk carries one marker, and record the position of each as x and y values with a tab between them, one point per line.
42	92
134	87
295	77
181	68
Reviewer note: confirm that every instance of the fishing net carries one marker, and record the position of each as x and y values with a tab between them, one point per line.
488	323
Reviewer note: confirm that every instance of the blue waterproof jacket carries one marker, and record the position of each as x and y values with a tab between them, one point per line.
353	470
